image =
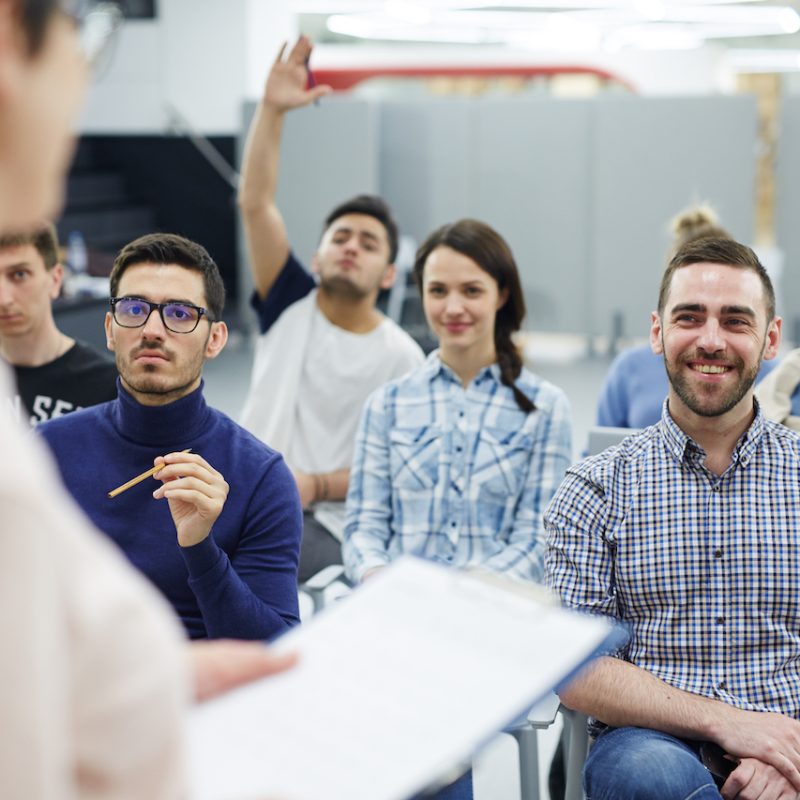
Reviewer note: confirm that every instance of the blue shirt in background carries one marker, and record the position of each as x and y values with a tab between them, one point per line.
636	386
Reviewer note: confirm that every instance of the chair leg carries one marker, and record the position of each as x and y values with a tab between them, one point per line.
527	747
575	755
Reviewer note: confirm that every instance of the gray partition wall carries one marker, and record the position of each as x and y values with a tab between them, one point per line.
582	190
788	215
651	158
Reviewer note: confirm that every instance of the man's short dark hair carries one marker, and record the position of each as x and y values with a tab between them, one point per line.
44	238
717	251
372	206
170	248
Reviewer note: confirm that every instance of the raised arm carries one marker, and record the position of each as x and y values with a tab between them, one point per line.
285	89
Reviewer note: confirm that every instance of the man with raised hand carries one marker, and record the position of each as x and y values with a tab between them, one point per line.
323	347
95	671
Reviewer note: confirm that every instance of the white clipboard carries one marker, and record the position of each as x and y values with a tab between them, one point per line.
397	683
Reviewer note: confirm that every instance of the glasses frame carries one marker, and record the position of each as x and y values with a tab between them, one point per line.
98	23
201	312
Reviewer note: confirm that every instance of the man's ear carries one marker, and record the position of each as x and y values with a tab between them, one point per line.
217	339
389	277
315	264
56	280
773	338
109	321
655	334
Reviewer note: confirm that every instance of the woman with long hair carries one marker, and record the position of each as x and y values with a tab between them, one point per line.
456	461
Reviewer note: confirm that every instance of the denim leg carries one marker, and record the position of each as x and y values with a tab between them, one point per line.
459	790
642	764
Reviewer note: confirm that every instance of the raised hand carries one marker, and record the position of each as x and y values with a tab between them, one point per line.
288	79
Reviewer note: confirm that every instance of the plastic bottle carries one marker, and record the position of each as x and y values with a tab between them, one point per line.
77	255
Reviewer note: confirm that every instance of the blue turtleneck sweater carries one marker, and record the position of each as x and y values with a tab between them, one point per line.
241	581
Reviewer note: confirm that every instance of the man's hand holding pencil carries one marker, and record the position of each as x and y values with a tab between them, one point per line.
196	494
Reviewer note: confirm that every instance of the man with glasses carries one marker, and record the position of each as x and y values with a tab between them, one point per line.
55	373
224	553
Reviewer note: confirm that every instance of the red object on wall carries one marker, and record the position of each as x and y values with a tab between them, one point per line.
344	78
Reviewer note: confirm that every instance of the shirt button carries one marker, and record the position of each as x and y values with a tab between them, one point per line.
715	487
459	448
722	685
720	620
453	524
718	553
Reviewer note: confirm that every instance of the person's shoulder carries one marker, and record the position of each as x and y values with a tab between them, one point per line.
640	356
779	436
294	283
90	361
618	458
250	451
400	341
414	383
541	392
82	422
89	354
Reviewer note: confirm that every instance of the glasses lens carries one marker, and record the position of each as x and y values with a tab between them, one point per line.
180	318
131	313
98	34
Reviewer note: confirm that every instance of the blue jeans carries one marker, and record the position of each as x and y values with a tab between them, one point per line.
458	790
642	764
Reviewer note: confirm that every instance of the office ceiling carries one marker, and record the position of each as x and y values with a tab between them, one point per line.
756	29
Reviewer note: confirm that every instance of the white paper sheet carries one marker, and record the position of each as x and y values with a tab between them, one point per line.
396	684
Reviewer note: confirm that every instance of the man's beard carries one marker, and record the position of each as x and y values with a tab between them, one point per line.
149	381
722	403
341	287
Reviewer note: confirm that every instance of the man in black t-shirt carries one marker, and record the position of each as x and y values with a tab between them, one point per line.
55	374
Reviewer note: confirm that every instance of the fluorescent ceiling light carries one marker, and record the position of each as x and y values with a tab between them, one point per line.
367	6
642	24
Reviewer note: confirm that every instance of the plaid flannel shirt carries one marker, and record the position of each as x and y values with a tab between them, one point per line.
705	569
457	475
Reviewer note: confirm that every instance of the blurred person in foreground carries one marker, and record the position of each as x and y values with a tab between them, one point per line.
95	672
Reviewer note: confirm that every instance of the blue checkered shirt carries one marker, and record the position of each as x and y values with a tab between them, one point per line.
704	568
455	475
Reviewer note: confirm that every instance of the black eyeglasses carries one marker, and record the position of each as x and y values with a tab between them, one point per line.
133	312
98	24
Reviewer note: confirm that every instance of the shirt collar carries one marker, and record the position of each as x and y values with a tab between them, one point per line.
169	425
684	448
437	368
